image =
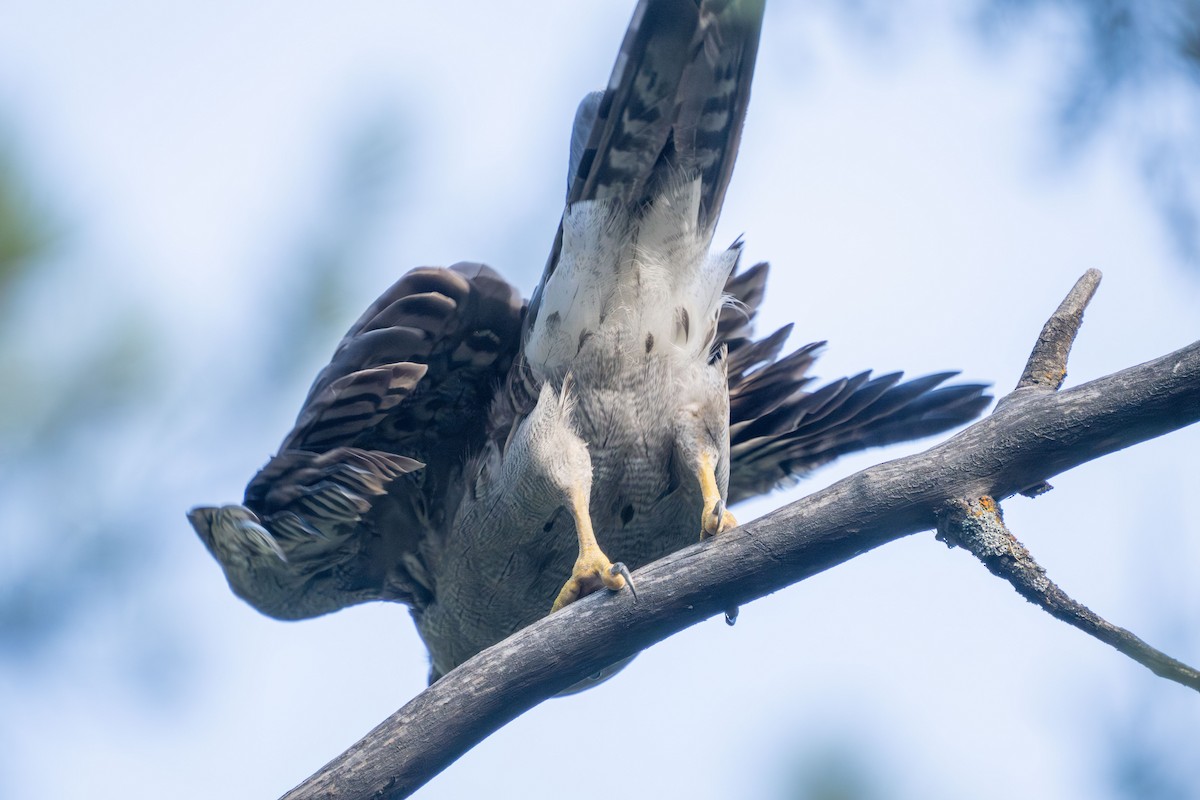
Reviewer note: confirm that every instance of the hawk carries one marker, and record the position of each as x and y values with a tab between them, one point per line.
483	459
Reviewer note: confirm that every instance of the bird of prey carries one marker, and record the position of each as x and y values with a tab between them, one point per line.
485	460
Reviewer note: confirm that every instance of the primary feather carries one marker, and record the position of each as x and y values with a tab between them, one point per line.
430	462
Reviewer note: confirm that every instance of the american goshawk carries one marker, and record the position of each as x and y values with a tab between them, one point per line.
480	458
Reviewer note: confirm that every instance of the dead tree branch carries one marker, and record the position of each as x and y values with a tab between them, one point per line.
1047	365
978	526
1034	434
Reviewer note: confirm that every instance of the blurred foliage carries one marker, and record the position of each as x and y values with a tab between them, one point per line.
328	258
61	402
1136	70
90	424
1146	747
1145	739
1147	763
1127	67
837	770
24	228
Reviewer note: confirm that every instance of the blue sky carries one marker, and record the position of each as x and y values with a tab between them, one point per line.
910	197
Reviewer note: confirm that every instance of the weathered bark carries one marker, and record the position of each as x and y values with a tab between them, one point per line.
978	526
1034	433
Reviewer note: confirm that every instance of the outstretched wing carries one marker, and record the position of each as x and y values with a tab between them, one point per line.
341	514
780	428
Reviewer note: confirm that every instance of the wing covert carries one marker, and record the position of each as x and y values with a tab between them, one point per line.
342	513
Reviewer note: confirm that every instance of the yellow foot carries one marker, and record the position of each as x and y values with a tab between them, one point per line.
592	568
716	519
592	571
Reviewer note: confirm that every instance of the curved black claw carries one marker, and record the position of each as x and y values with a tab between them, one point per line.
619	568
718	511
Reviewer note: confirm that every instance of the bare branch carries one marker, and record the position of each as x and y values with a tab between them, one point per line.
977	523
1047	364
978	526
1033	436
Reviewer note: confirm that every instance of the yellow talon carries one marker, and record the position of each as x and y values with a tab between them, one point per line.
715	517
590	573
592	568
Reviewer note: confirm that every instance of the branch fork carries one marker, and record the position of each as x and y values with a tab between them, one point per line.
1033	434
977	524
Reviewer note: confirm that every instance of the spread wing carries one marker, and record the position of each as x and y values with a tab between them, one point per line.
781	426
342	513
361	488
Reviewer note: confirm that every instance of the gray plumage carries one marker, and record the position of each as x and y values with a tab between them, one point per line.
462	445
585	118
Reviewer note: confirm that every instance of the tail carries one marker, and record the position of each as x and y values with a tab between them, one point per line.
674	106
675	102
